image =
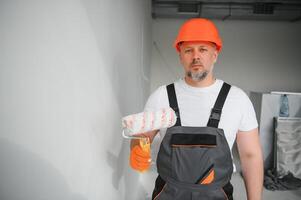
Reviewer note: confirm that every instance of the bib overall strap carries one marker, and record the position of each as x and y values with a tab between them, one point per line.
173	103
218	106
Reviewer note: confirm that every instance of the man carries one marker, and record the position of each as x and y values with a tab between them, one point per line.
194	160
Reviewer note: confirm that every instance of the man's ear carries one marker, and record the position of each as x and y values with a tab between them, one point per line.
180	57
215	56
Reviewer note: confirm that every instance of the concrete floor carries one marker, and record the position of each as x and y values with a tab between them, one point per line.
240	192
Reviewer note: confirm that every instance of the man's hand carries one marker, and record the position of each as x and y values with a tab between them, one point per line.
140	157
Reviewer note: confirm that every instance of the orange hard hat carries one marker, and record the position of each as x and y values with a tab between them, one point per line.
198	29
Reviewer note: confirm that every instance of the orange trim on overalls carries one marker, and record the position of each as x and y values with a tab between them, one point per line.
160	192
209	179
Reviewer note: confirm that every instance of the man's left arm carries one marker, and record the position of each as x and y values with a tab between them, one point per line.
251	162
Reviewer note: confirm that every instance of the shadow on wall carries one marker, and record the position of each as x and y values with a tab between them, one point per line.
26	176
122	60
122	172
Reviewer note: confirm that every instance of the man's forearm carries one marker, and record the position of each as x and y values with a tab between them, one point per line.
252	168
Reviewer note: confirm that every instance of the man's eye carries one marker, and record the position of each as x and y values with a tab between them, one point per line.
203	50
188	50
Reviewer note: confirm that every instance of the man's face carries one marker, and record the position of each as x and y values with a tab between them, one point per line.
198	59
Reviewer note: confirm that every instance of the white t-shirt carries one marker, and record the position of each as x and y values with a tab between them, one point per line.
195	106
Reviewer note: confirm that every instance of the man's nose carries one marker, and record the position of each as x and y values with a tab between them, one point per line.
196	55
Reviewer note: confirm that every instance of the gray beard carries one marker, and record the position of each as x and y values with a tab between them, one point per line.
197	76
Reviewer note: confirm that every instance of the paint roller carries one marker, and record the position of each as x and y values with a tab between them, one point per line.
136	124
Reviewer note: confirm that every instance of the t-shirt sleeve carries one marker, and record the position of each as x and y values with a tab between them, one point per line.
248	118
156	100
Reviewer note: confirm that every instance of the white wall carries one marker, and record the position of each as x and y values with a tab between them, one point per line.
257	55
69	70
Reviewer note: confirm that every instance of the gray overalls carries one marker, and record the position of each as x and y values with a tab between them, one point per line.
194	163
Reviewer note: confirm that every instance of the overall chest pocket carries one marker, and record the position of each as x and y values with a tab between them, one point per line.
191	157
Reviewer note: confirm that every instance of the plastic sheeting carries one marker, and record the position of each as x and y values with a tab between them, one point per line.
288	146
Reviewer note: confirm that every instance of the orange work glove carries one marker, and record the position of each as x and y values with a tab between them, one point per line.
140	157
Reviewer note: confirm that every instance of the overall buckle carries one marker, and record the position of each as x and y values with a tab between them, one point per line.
215	114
